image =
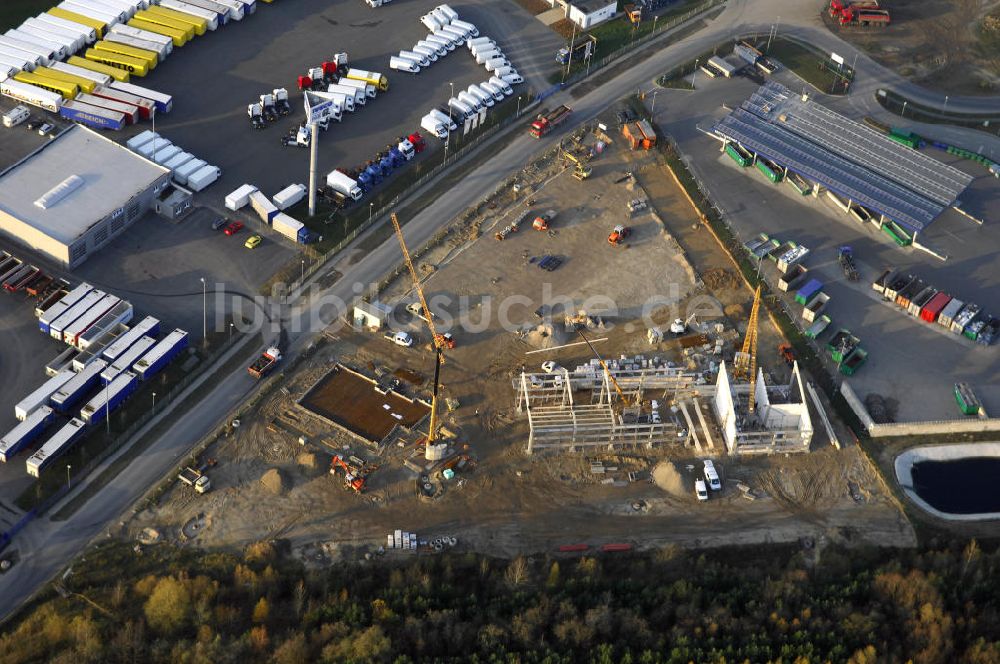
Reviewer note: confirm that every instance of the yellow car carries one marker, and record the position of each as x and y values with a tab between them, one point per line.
253	241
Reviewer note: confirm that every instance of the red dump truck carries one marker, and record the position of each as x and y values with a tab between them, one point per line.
265	362
546	122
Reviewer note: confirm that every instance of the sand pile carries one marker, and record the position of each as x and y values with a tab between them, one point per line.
274	482
666	476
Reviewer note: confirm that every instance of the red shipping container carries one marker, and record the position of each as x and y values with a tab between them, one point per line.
933	308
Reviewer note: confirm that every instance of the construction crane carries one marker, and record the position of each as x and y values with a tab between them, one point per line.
745	362
607	371
439	341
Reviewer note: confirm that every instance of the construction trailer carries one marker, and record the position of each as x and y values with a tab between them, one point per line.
777	423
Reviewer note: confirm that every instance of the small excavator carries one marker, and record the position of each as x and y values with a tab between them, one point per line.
355	475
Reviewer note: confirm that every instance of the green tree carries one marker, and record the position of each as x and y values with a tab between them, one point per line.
168	606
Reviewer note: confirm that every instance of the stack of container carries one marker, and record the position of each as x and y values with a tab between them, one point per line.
189	172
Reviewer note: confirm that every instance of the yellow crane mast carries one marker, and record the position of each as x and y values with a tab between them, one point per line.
437	339
745	362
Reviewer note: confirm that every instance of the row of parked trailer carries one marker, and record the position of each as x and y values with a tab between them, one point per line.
931	305
76	59
186	170
102	385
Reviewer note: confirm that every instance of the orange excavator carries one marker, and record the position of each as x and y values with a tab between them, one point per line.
355	476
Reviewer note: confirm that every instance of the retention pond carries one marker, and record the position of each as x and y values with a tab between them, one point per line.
953	481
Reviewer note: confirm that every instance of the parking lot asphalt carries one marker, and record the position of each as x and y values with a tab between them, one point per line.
214	77
23	355
909	361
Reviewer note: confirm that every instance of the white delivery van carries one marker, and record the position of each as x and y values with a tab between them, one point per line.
402	64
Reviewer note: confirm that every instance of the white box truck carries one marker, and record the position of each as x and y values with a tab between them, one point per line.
181	174
203	177
289	196
359	95
240	197
339	181
434	126
367	88
497	63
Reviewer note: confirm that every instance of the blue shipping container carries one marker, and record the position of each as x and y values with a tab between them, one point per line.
70	393
24	433
812	287
108	400
161	354
91	116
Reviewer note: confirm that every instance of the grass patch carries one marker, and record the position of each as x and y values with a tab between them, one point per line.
812	66
13	12
619	34
677	83
893	102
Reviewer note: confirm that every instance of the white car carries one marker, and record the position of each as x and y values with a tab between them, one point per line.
400	339
711	476
551	367
700	491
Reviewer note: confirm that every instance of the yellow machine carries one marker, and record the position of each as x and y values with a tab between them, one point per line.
745	362
440	341
582	169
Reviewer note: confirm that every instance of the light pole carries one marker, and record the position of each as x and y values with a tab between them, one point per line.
945	111
230	332
371	211
69	478
518	106
903	113
569	60
303	277
154	402
652	108
655	19
695	71
447	141
107	409
204	310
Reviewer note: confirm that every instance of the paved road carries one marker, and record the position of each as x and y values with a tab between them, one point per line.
46	546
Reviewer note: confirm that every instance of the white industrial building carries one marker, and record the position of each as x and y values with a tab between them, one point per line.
76	194
589	13
586	13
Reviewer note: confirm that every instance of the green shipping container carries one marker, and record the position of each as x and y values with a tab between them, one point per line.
740	159
899	236
966	399
772	175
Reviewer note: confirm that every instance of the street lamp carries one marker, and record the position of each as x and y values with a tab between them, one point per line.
903	113
230	332
204	310
518	106
303	277
154	402
371	210
695	72
652	108
945	105
69	479
447	141
655	19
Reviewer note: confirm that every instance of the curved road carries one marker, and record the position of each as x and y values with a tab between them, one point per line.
47	546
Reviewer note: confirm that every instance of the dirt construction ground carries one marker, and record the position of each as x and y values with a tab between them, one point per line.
503	501
951	46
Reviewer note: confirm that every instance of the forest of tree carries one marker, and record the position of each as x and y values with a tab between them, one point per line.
765	604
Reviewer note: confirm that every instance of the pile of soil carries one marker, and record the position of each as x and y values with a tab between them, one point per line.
274	482
666	476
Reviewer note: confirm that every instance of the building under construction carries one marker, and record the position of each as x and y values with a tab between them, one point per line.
640	402
776	421
627	405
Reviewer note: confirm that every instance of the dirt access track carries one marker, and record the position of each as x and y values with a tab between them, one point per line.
948	46
507	502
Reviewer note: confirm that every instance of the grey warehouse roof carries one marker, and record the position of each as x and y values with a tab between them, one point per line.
110	175
845	156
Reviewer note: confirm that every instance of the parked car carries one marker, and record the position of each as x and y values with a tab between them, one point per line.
46	129
233	228
253	241
400	338
219	223
700	490
712	477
